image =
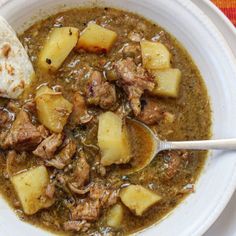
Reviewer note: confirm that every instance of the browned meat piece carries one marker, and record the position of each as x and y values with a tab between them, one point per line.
80	114
81	174
48	146
30	106
87	210
150	111
78	226
99	197
50	191
107	197
174	160
134	80
63	158
43	131
100	92
23	135
13	106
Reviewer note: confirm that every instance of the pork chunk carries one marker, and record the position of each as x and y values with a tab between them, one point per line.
50	191
80	113
63	158
100	92
87	210
134	80
107	197
48	146
81	174
78	226
173	160
23	135
150	112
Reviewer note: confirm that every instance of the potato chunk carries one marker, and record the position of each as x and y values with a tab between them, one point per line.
167	82
53	109
30	186
138	199
96	39
57	47
155	55
115	216
113	140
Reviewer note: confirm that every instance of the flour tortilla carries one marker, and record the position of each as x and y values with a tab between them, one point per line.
16	70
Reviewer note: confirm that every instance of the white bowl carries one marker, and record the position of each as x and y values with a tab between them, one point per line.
218	68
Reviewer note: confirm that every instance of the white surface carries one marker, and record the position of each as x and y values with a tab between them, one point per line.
226	223
217	66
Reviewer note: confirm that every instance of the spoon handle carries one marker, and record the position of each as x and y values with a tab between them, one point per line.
226	144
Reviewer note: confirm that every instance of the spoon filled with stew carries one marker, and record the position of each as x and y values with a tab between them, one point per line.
146	145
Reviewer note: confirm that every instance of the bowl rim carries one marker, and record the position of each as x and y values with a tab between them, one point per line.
231	187
207	23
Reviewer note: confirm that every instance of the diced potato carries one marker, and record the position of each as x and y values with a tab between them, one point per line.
155	55
53	109
167	82
57	47
138	199
30	187
96	39
113	140
115	216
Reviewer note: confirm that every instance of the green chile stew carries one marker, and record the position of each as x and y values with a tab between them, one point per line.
52	137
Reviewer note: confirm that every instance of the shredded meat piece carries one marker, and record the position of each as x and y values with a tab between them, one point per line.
81	174
63	158
50	191
48	146
173	164
30	106
134	80
107	197
23	135
87	210
100	197
100	92
74	189
43	131
80	113
78	226
13	106
150	112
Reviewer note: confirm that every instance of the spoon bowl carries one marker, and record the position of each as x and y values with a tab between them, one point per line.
142	138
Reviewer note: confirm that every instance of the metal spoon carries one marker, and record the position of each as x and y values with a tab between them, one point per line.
158	145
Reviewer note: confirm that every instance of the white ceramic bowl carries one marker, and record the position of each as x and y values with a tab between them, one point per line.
218	68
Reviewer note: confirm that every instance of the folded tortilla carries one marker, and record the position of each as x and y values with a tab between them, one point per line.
16	70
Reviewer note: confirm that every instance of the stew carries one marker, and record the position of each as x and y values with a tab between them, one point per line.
65	137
